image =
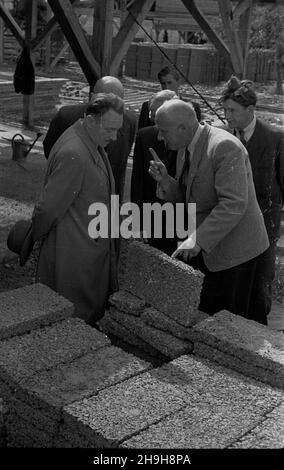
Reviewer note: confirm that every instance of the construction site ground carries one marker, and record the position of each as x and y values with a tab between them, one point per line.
21	182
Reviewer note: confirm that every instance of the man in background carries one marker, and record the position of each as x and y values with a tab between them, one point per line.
265	147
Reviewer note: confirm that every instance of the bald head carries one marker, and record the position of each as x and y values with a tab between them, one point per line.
177	123
177	112
109	84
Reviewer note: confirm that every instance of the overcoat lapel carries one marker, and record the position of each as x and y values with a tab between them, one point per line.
199	151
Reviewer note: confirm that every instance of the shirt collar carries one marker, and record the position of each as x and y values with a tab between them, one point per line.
249	130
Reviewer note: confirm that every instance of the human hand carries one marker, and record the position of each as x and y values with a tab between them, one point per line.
187	250
157	169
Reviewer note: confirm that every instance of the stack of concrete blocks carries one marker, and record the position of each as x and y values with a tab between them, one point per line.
49	359
65	385
157	303
242	345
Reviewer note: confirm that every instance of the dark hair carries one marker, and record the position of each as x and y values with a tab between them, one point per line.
167	71
103	102
240	91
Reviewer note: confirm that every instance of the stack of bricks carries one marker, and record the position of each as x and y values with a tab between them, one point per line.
242	345
157	304
64	385
48	360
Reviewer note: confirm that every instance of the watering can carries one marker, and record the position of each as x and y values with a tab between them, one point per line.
21	147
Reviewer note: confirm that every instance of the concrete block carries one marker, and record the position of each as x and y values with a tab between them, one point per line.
36	416
127	303
42	349
21	433
269	434
81	378
234	363
159	320
166	343
146	271
228	387
31	307
244	339
119	412
109	325
201	425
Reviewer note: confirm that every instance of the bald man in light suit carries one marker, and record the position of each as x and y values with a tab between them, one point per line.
230	231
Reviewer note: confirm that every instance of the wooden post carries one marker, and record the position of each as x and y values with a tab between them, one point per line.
30	33
102	33
123	15
244	10
1	41
47	56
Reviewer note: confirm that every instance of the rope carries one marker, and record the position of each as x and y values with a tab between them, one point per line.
177	69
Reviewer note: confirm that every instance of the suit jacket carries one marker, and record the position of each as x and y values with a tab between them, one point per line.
72	263
143	187
144	119
266	154
118	151
230	226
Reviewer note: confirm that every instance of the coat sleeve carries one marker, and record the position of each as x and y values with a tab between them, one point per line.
53	133
280	163
231	187
61	189
144	120
137	193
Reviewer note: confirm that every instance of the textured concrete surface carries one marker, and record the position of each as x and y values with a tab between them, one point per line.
162	322
44	348
81	378
212	380
269	434
243	339
21	433
232	362
153	276
198	426
188	403
127	303
119	412
31	307
109	325
164	342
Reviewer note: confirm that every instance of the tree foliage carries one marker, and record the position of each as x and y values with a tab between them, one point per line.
265	28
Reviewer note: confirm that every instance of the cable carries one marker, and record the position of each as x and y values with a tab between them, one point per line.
178	70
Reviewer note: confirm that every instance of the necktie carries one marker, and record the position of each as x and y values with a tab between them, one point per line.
184	171
242	137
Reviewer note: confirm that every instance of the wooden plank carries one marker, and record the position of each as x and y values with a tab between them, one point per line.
1	41
12	24
127	32
241	7
102	34
244	33
225	7
30	32
73	32
199	17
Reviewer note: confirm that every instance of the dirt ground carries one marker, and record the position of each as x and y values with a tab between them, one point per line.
24	181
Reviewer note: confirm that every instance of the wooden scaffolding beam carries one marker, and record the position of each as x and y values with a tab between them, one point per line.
12	24
102	33
73	32
30	33
127	32
199	17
